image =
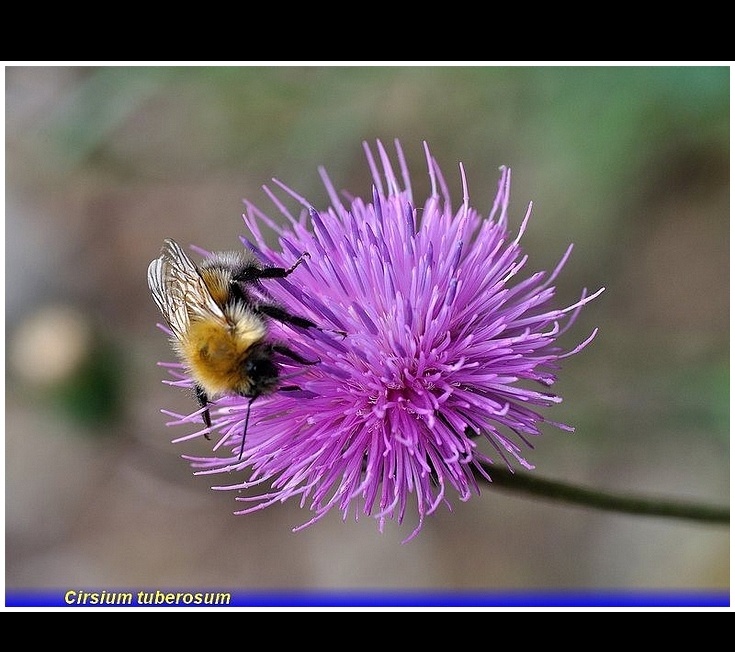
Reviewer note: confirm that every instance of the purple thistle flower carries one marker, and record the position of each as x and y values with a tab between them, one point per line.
427	383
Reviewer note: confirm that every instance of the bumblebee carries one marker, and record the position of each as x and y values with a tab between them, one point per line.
217	312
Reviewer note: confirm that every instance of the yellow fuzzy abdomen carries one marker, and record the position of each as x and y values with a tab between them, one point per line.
215	355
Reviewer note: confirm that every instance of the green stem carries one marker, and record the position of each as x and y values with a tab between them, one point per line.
502	478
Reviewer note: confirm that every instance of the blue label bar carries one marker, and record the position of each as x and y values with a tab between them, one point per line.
136	598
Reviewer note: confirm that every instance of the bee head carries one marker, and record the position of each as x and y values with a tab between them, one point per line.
259	369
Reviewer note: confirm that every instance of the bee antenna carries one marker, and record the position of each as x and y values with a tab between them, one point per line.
245	429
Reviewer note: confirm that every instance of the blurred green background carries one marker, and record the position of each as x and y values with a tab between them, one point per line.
102	163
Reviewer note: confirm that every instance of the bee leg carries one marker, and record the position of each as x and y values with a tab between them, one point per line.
256	272
284	350
245	428
281	272
204	402
279	314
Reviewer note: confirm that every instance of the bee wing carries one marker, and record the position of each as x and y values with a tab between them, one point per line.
179	290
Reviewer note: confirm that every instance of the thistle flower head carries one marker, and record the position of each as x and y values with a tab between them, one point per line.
429	328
